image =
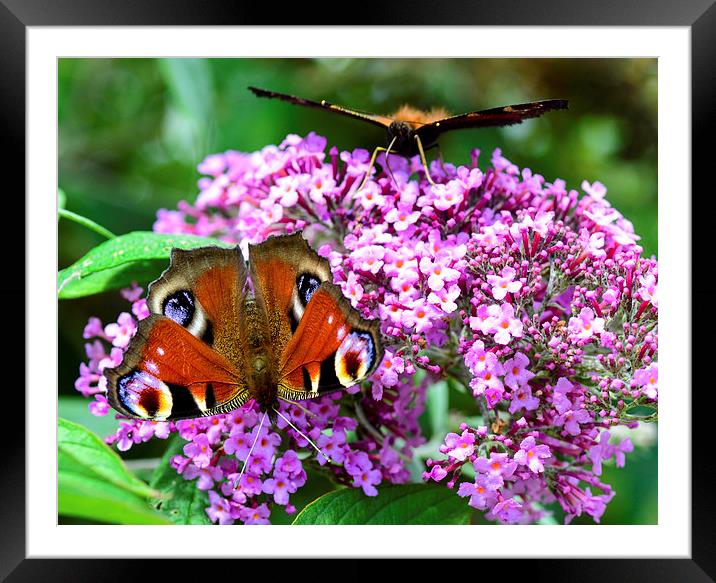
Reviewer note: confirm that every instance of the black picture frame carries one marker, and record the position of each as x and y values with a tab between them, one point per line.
699	15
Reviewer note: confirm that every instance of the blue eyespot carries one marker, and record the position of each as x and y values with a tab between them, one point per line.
179	307
307	285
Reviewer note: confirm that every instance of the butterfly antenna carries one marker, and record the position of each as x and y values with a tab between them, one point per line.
372	163
251	449
308	439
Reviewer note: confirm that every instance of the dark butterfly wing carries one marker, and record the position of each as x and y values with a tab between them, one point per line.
498	116
374	118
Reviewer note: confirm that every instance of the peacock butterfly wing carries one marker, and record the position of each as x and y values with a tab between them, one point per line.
204	290
285	272
167	373
333	347
188	358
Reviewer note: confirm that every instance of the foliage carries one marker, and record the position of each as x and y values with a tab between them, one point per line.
94	483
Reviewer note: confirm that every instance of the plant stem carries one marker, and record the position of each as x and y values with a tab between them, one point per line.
85	222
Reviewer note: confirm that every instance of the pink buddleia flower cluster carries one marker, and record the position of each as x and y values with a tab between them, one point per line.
536	299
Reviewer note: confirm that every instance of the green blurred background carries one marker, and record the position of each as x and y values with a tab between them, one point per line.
132	131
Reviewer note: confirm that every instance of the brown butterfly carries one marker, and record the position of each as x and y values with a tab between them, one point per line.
211	344
411	131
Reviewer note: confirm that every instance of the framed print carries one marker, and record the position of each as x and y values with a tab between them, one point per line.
284	298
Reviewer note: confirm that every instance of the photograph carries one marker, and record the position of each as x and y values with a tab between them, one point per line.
357	291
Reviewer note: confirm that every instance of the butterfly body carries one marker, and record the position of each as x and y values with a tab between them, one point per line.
401	135
220	334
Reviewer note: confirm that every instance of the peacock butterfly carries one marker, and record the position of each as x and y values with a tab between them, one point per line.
220	334
411	131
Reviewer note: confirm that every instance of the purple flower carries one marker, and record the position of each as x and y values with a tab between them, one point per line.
483	491
586	325
499	464
207	476
460	447
531	455
516	373
402	217
603	451
99	407
266	442
571	420
238	443
368	479
522	399
357	462
508	511
333	446
560	400
624	447
250	484
503	324
436	473
256	515
445	298
289	464
199	450
648	379
94	329
220	510
504	283
600	452
121	332
438	272
126	436
280	486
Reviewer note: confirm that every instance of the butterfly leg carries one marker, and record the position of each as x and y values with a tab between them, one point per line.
423	160
372	163
370	167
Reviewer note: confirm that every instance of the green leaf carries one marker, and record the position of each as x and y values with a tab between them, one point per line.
404	504
86	497
179	499
94	483
81	451
138	256
75	409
